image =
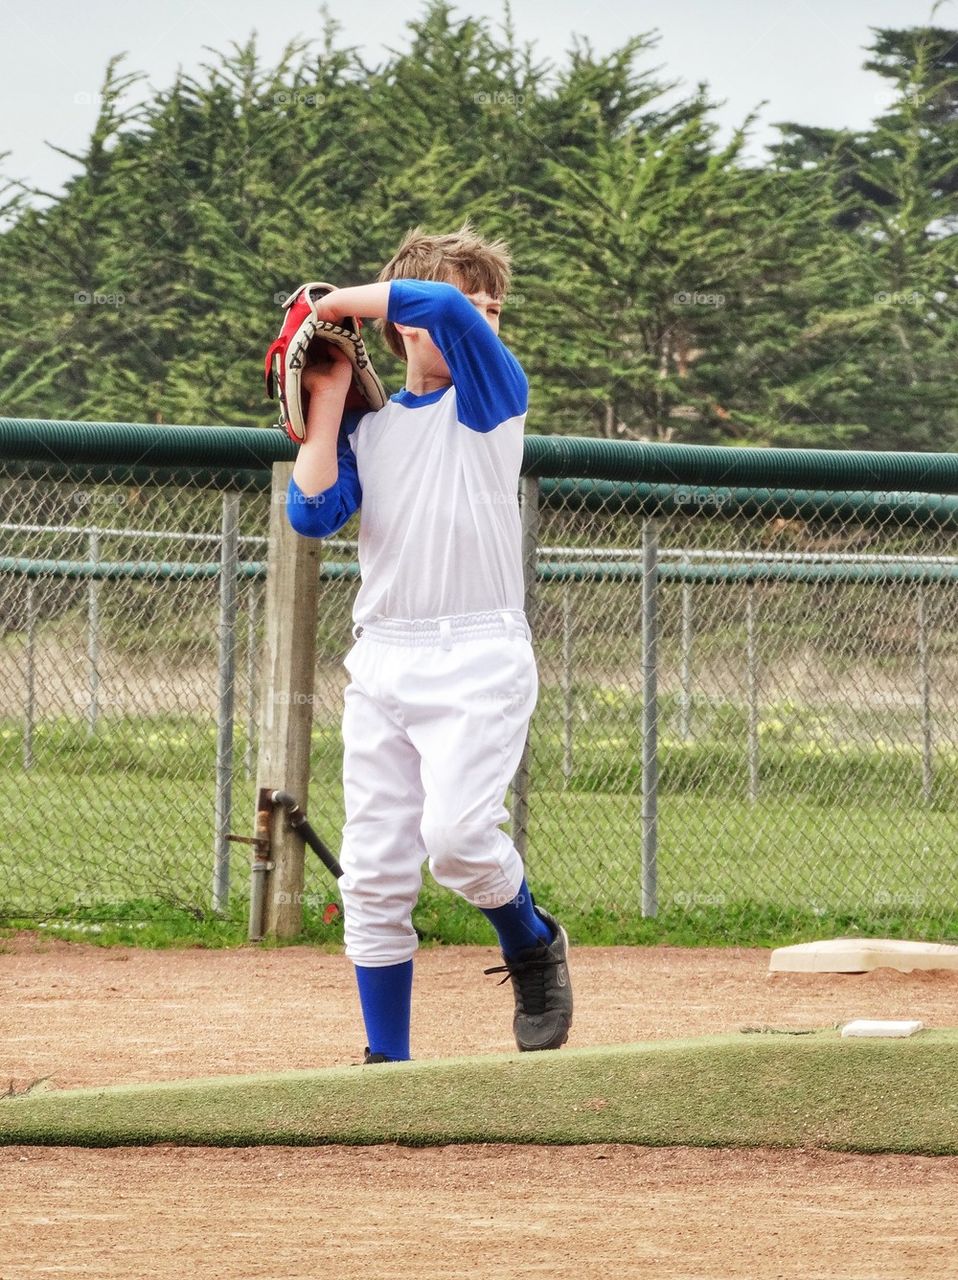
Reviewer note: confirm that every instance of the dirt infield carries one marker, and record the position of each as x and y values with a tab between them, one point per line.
83	1015
479	1213
87	1015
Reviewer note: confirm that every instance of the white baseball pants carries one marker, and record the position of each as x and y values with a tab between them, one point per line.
434	723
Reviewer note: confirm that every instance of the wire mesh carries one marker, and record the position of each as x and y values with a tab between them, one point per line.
799	673
805	713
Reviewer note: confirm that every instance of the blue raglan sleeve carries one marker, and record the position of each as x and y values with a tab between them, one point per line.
491	386
321	514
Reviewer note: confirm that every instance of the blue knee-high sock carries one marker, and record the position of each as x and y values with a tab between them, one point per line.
517	923
386	996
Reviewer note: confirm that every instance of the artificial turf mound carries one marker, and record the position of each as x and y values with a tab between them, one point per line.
774	1090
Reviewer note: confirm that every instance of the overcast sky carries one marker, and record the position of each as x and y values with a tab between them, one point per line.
803	57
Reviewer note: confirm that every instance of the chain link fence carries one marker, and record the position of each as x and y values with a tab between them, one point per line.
748	706
750	711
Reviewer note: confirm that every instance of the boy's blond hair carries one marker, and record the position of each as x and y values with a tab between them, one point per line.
463	258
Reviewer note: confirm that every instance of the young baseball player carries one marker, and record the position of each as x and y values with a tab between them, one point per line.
443	677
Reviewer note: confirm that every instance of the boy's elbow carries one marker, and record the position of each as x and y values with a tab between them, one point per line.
313	517
446	294
451	303
437	301
301	521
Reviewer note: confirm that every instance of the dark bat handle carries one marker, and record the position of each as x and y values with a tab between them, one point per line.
301	824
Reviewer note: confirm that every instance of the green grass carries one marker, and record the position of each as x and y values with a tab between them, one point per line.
114	834
742	1090
728	872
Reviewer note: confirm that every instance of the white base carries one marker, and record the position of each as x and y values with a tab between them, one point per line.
860	955
878	1027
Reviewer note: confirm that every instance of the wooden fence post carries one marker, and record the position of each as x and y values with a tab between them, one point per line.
286	705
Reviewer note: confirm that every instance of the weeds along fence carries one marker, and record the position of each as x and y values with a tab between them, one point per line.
748	712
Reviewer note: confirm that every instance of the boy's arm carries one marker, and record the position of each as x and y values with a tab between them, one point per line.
491	386
324	489
369	301
320	514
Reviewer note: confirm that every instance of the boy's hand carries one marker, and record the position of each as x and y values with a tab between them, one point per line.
328	372
325	377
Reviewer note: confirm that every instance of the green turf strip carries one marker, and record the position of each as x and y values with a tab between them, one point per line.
733	1090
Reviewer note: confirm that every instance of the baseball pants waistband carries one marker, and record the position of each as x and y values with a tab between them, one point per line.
444	632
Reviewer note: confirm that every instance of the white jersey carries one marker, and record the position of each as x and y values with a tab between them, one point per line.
436	476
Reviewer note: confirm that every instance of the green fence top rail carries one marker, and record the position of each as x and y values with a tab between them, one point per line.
142	445
715	465
217	449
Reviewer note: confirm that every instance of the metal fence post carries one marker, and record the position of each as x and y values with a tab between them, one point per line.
229	563
685	661
751	658
29	708
568	684
529	514
252	618
93	632
650	757
927	746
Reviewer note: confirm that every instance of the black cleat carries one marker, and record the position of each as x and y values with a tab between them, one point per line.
374	1057
540	982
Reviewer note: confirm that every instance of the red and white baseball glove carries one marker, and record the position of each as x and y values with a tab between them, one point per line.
295	347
